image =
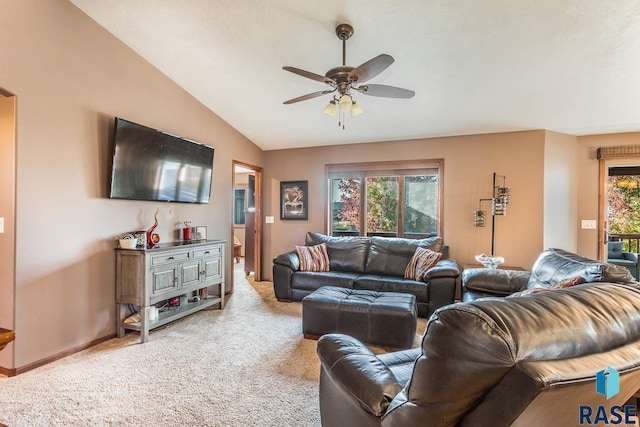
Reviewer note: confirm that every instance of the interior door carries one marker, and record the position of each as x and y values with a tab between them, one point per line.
253	219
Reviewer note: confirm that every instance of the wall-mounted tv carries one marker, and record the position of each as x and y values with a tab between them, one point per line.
152	165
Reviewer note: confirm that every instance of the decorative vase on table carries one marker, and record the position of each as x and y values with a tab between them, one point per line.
152	238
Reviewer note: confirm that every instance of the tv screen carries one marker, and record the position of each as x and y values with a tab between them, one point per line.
153	165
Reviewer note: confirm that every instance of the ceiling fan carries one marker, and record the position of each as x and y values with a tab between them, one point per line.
345	80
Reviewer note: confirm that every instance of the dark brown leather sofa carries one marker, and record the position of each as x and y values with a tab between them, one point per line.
375	264
526	361
553	265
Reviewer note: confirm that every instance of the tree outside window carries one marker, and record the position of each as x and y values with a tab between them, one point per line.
405	205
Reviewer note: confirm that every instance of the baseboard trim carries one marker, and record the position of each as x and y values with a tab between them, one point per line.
16	371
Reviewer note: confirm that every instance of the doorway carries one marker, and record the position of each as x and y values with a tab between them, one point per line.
7	225
246	231
619	205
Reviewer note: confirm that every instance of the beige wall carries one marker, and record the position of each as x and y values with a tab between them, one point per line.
469	163
560	191
588	170
7	211
71	78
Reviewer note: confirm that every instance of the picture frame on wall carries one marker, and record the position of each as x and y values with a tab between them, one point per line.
200	232
294	200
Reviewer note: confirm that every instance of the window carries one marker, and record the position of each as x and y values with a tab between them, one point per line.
385	199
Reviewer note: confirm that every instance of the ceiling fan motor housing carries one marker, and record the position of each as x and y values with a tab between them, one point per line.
340	75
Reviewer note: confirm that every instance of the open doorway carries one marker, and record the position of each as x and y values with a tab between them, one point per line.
620	213
7	225
246	233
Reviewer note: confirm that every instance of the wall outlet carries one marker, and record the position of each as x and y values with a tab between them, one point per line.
589	224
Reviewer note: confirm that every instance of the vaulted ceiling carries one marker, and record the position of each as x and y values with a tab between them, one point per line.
570	66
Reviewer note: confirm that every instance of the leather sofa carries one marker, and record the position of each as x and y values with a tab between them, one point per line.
552	266
371	263
527	361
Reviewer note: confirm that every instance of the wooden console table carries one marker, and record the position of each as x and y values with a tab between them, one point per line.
6	336
146	277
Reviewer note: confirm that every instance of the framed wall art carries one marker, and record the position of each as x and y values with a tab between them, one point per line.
294	200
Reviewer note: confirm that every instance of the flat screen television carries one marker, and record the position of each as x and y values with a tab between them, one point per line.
152	165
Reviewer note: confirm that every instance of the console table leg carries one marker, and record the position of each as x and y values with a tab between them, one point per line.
144	323
121	312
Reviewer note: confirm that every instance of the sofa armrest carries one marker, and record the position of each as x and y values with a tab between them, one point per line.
499	282
289	259
443	268
630	256
358	371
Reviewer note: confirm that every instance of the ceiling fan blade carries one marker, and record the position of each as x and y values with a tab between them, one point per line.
308	96
386	91
371	68
309	75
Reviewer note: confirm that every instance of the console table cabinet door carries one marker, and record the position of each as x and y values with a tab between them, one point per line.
190	274
164	280
213	271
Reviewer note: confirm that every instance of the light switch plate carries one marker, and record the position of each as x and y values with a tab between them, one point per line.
1	225
269	219
589	224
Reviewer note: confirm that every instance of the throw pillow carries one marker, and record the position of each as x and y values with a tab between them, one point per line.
421	261
566	283
313	258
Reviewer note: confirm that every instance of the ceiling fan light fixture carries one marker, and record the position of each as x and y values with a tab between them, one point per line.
330	109
356	110
345	103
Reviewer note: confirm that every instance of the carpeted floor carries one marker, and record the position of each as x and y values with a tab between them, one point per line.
246	365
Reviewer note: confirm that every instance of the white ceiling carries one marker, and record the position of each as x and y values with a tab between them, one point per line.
570	66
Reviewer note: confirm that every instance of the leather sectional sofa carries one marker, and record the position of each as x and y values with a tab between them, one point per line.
551	267
526	361
372	263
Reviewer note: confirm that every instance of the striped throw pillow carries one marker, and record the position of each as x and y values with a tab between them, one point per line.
566	283
313	258
423	259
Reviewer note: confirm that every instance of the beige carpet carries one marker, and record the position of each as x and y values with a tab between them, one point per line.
246	365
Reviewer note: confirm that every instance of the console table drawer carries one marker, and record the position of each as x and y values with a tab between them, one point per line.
169	257
208	252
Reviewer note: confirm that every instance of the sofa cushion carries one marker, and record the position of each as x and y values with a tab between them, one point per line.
390	256
313	258
421	261
554	265
614	250
345	253
382	283
312	280
492	282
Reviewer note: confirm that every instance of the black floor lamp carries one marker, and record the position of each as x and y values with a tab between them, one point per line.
501	197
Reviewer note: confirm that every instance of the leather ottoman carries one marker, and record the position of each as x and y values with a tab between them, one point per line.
386	319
